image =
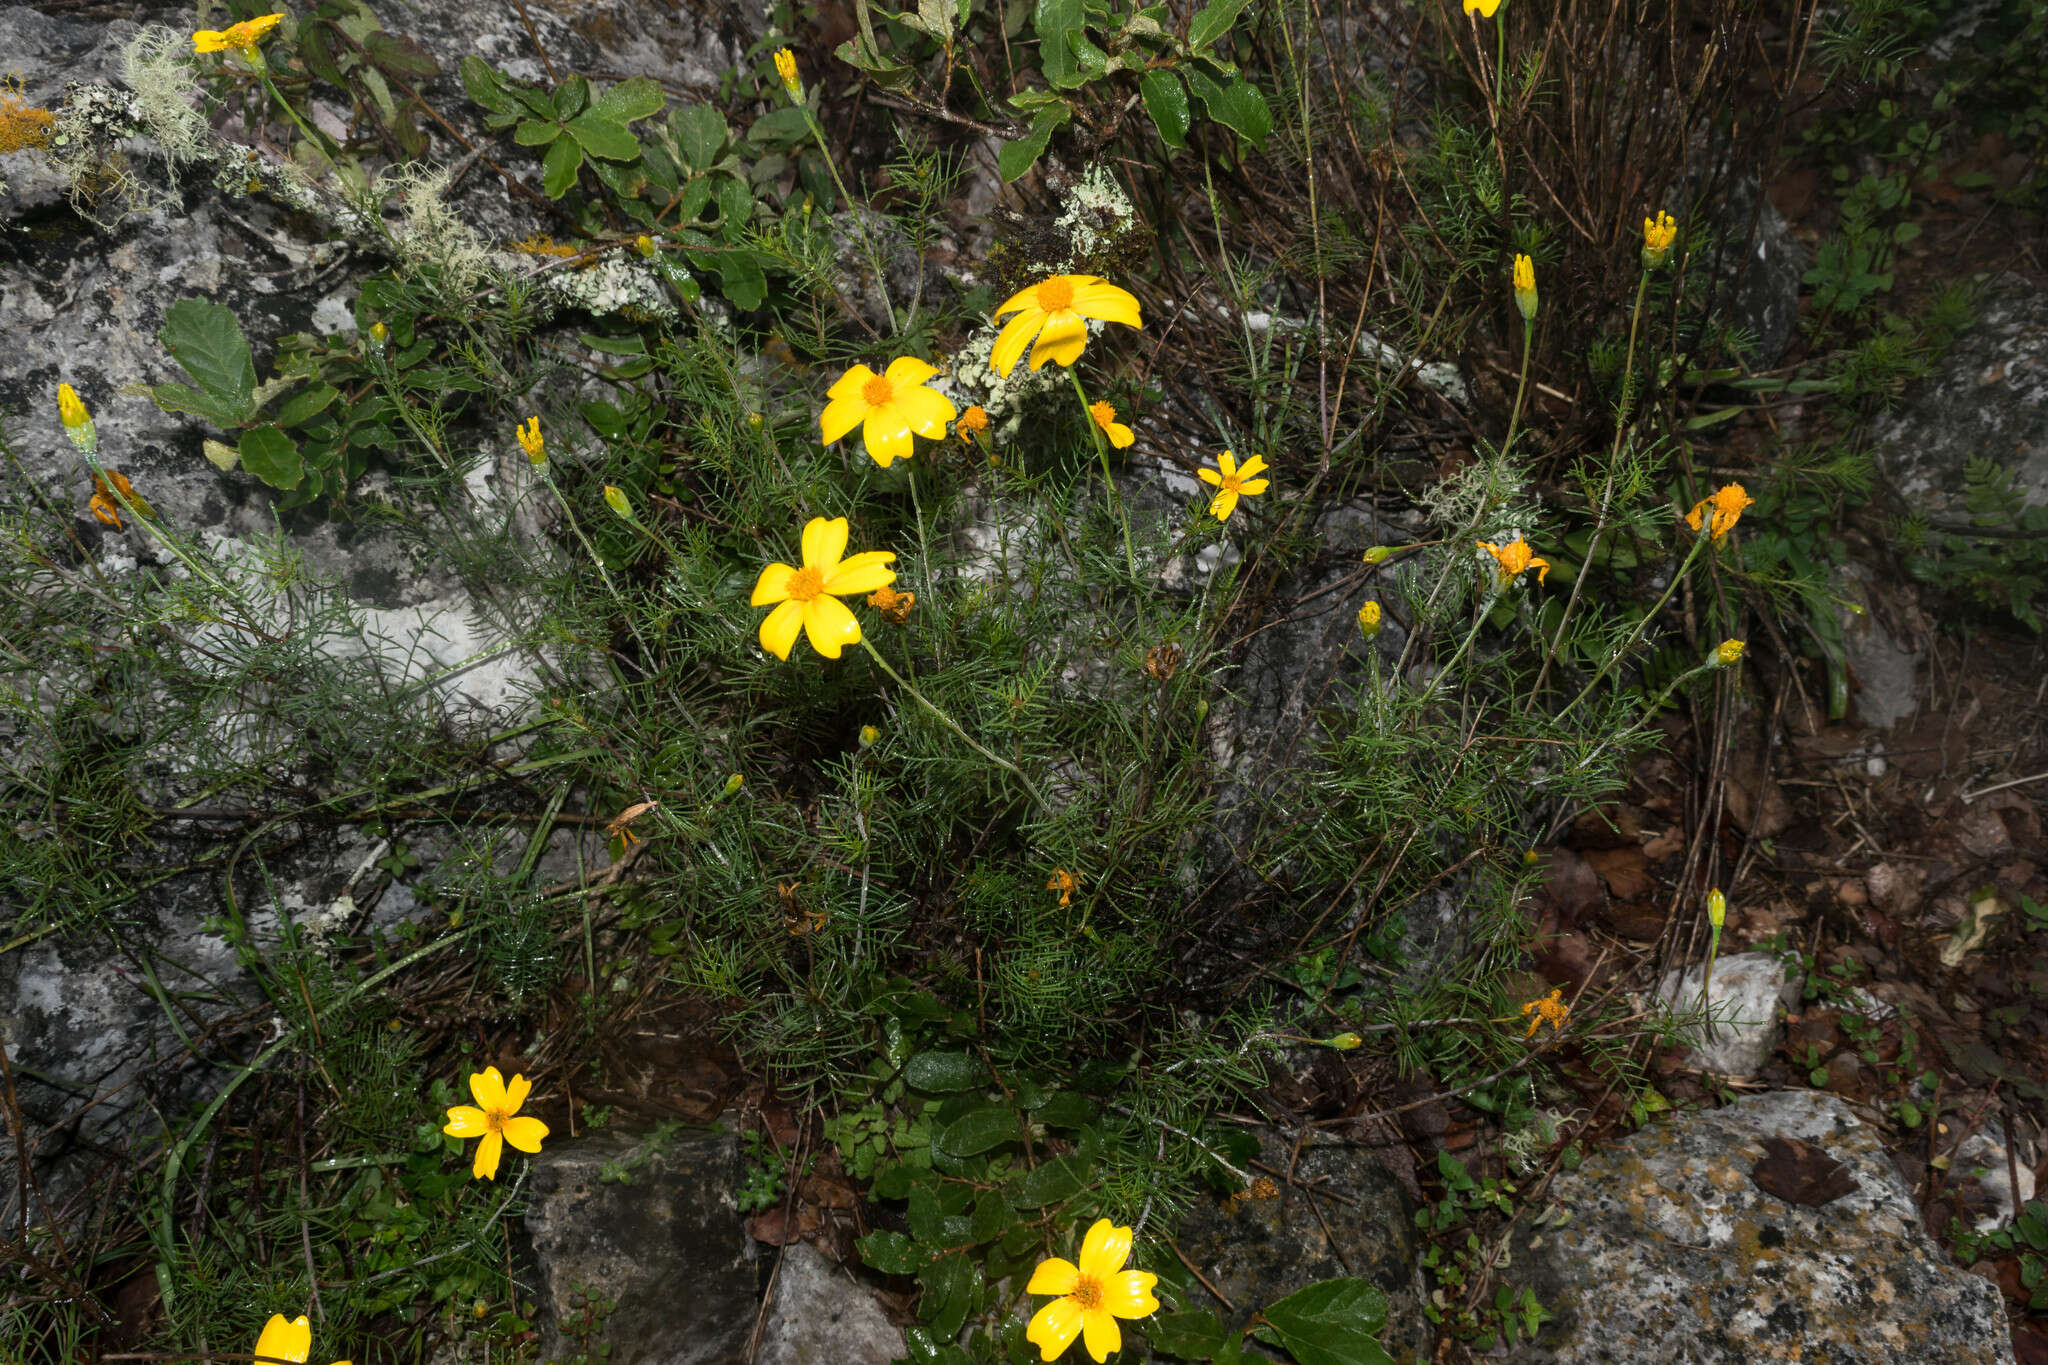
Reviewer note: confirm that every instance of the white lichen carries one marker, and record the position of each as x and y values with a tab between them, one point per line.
157	64
1096	214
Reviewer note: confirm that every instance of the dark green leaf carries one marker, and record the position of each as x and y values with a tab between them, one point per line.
207	342
1017	157
1166	100
178	398
889	1252
601	137
784	127
632	99
939	1073
743	282
535	132
571	98
1055	22
1237	105
978	1131
401	56
1213	22
306	404
1335	1322
558	171
316	50
948	1294
699	131
272	456
1059	1178
1190	1336
483	85
1065	1110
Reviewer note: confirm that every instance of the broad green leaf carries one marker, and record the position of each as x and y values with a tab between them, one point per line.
948	1294
939	1073
571	98
535	132
1237	105
1065	1110
1057	1179
207	342
178	398
699	131
1335	1322
272	456
741	280
482	84
401	56
306	404
889	1252
1015	158
782	128
978	1131
1056	21
1213	22
1190	1336
558	171
632	99
599	137
1166	100
630	344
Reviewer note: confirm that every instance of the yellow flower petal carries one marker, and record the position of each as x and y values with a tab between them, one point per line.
928	413
905	370
516	1091
850	384
863	573
887	436
841	415
1209	476
1222	505
1064	338
1101	1335
488	1089
1105	1249
830	625
1054	1276
282	1340
780	628
1129	1295
488	1153
1120	435
466	1122
1011	341
1107	303
773	585
1252	466
1054	1327
824	542
525	1132
1227	462
210	40
1255	486
1026	298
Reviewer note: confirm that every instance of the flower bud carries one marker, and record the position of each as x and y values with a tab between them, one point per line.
1379	554
785	67
1717	908
378	334
733	784
531	441
1525	287
615	498
71	410
644	245
1344	1042
1658	235
1369	620
1726	654
868	736
755	421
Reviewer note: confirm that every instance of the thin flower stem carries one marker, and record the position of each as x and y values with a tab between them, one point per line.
321	142
954	726
1116	499
1640	627
591	550
1521	385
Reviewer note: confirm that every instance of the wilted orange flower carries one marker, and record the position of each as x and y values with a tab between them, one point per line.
617	829
1551	1010
972	422
1514	559
1105	417
1727	507
1064	883
23	127
895	606
106	507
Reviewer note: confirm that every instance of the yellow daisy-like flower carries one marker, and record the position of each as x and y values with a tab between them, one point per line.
1525	287
1484	8
1514	559
1726	506
1052	319
1551	1010
807	599
1658	235
496	1119
1105	417
531	441
1232	482
887	408
285	1342
242	37
1092	1296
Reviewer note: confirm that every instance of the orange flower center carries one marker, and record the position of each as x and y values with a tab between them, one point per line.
806	584
1056	295
494	1120
1233	483
878	391
1103	414
1088	1293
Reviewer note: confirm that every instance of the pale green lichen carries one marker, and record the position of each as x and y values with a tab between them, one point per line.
430	233
157	64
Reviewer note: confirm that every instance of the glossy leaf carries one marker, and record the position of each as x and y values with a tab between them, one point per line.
1166	100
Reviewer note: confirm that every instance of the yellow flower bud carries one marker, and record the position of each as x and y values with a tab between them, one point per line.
1525	287
644	245
1344	1042
755	421
615	498
378	333
531	441
1726	654
1379	554
785	67
1717	908
1369	620
733	784
1530	857
71	410
1658	235
868	735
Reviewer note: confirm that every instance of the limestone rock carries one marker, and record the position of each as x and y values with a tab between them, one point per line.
657	1269
1672	1253
1345	1214
1741	1005
822	1315
1989	400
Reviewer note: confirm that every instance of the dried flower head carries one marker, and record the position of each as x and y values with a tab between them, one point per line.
895	606
1064	883
1162	662
1726	508
1550	1010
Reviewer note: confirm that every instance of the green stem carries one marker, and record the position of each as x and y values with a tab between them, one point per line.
1116	500
591	550
1521	384
324	144
1641	626
954	726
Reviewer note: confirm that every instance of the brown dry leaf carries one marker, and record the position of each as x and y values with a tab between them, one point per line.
1573	888
1800	1173
1625	870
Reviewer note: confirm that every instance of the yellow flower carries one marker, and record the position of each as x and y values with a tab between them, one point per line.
286	1343
242	37
1369	619
1717	908
1658	235
895	606
1727	654
379	332
785	67
807	599
972	423
532	442
1550	1010
104	505
70	408
1232	482
1064	883
1484	7
887	408
1105	417
1525	287
1092	1296
868	736
1515	559
493	1119
1727	508
1052	320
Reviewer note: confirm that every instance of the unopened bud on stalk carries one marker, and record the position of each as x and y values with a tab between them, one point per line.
1717	908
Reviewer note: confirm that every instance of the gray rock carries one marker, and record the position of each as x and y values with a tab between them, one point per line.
822	1315
1670	1252
1990	401
1345	1214
658	1269
1742	1004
